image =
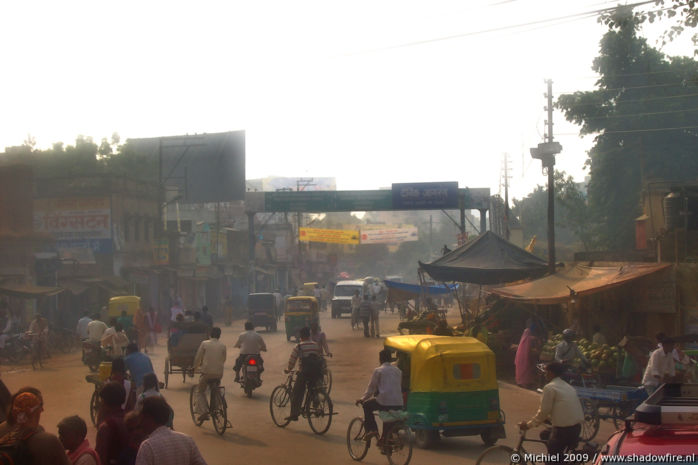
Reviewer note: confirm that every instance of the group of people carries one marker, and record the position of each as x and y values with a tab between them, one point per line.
141	327
367	312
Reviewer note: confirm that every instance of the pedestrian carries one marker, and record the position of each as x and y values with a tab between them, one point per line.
138	364
38	329
598	337
114	339
176	310
81	328
206	317
526	356
154	328
72	432
150	389
112	442
163	446
375	324
661	366
142	329
118	375
365	311
355	303
23	424
209	360
561	405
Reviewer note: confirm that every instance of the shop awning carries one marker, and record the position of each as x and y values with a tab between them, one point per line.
403	291
578	280
488	259
29	291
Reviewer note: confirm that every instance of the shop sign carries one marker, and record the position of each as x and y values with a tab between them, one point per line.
389	235
330	236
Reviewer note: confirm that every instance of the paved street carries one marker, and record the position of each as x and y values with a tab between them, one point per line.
254	439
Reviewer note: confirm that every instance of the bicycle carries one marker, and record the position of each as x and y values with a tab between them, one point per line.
395	444
316	407
217	407
519	456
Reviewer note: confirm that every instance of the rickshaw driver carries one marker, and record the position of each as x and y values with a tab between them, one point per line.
210	357
562	406
249	343
384	392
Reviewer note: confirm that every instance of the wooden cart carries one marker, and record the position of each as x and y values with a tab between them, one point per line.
181	353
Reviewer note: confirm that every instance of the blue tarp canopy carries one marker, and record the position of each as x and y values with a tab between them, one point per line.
411	291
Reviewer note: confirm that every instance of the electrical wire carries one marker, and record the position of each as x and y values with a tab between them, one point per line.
627	131
647	99
624	115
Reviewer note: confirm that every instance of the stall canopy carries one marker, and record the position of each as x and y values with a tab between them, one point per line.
29	291
488	259
576	280
404	291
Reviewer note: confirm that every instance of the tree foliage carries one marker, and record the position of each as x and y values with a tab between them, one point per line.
644	112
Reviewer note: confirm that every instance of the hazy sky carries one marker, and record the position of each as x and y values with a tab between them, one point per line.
319	86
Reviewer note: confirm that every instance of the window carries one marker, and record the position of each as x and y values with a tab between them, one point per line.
466	371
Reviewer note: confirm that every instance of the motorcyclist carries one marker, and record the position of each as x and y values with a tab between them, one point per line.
567	350
249	343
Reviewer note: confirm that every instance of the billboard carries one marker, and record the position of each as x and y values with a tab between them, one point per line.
425	195
202	168
81	226
331	236
279	183
389	235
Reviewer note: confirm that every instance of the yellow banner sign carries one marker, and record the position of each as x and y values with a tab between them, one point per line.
332	236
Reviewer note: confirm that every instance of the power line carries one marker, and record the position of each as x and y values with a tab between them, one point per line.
629	131
681	84
646	99
623	115
582	15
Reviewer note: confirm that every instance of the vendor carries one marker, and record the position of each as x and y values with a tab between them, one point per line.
567	350
598	337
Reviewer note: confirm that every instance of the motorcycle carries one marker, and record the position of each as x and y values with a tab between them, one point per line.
93	355
17	346
251	378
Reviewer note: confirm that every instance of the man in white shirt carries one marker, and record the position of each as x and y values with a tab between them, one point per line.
95	329
384	392
560	404
209	361
249	343
163	446
661	366
81	328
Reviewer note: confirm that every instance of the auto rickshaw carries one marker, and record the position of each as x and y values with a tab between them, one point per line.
308	289
451	387
262	310
300	312
128	303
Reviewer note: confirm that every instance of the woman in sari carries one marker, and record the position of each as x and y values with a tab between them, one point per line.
526	356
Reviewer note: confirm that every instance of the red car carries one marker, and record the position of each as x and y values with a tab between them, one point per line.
665	424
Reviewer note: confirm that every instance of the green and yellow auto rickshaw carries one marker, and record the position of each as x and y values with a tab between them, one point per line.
300	312
450	385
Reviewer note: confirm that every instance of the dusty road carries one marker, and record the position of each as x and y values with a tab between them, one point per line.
254	439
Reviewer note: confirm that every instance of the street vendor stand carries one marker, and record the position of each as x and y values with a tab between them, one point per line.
401	294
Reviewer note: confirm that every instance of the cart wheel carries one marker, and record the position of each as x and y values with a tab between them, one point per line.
424	439
590	426
94	406
167	371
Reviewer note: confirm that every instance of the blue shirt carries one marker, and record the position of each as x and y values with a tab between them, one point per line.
139	365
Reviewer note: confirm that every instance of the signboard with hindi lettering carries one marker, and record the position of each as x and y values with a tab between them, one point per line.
75	223
331	236
425	195
389	235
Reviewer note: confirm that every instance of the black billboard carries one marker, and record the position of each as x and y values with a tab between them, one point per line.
203	167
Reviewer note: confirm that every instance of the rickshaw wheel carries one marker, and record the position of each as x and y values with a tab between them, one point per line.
94	407
488	437
424	439
590	426
167	371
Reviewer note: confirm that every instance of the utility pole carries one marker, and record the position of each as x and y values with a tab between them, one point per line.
546	152
506	179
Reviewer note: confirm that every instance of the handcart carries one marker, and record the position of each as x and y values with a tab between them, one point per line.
612	402
181	351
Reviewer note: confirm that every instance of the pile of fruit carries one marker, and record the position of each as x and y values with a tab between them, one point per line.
603	358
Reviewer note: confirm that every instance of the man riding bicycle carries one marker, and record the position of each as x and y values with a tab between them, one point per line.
249	343
209	360
561	405
384	392
310	371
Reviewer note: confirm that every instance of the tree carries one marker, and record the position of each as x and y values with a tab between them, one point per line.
644	113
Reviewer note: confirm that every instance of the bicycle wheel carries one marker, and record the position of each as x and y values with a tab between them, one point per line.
590	426
319	411
280	405
398	445
192	398
219	411
499	455
327	381
358	448
94	407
